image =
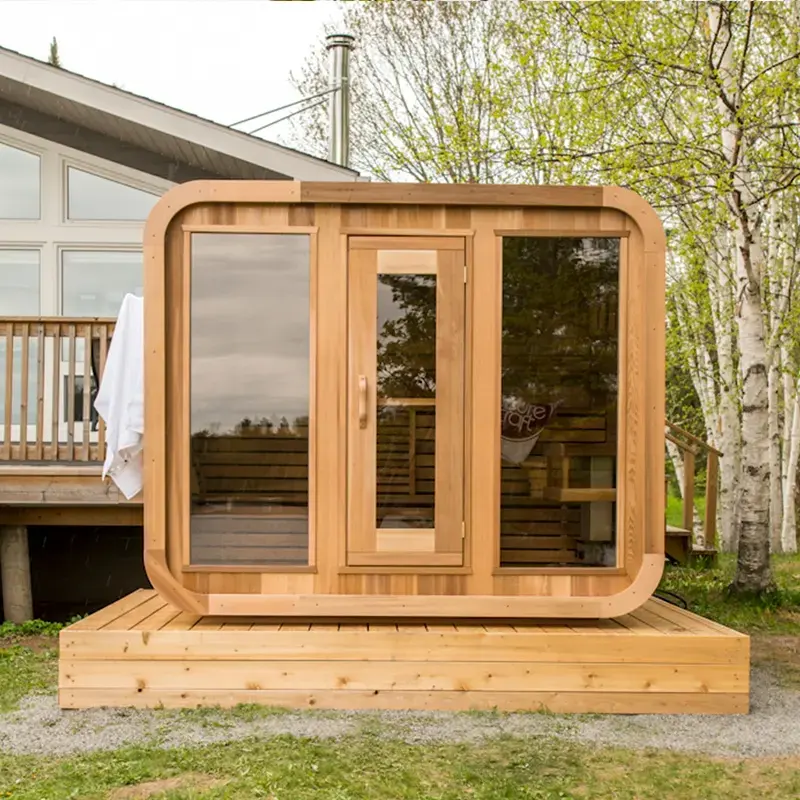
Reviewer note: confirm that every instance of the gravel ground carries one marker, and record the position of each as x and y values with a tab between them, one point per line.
772	728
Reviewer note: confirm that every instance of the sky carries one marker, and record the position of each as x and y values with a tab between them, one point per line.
221	59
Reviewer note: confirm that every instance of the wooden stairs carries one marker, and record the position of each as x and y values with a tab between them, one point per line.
679	543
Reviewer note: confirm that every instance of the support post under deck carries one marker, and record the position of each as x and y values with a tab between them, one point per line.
15	570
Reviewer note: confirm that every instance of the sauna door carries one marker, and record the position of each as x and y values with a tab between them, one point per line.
406	401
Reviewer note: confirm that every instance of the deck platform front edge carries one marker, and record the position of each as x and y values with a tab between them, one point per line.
660	659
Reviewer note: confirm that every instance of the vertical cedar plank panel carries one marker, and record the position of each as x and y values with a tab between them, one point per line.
382	218
633	424
622	408
485	390
157	359
456	218
352	216
449	475
182	453
362	461
301	215
176	392
469	309
313	477
654	379
331	398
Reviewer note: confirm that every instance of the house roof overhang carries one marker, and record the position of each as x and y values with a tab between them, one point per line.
111	123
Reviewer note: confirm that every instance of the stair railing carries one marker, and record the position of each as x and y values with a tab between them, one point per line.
690	447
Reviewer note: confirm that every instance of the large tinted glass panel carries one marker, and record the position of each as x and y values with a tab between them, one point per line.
406	401
19	184
559	401
93	197
250	298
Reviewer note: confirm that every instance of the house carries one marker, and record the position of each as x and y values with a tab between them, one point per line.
408	455
81	165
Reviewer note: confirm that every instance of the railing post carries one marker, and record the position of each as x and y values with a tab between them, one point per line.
710	522
7	417
42	380
688	490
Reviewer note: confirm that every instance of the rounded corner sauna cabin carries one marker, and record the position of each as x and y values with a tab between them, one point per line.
404	401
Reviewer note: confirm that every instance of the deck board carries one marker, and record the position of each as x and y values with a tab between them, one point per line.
142	652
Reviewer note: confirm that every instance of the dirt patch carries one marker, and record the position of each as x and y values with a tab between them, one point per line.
780	653
39	644
144	791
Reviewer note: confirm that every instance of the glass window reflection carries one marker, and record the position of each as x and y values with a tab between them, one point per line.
93	197
93	282
19	183
250	361
559	398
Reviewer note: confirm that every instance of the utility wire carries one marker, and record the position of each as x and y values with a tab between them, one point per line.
282	108
294	113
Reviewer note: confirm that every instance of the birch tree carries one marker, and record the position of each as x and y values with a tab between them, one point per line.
708	81
693	105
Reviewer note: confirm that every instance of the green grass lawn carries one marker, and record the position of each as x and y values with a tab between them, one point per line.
370	767
24	671
705	590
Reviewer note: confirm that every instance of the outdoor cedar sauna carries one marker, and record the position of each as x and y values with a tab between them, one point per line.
404	401
404	448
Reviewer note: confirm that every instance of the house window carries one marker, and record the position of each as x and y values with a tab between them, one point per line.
19	183
93	282
19	296
91	197
19	282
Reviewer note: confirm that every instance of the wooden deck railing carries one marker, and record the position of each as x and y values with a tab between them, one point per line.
691	447
50	369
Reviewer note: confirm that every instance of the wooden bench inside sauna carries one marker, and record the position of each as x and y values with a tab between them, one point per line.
404	449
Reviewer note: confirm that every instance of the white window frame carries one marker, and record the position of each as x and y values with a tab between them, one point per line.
53	232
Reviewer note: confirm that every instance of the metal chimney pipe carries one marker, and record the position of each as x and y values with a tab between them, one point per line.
339	46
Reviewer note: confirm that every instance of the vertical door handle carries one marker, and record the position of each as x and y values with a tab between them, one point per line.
362	401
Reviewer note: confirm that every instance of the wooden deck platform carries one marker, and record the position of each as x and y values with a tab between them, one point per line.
660	659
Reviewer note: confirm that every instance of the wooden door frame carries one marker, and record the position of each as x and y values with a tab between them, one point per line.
446	531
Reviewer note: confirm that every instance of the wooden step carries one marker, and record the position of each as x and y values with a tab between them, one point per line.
678	543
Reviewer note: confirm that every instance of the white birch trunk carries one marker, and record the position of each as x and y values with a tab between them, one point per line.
775	488
725	432
789	392
753	573
776	305
789	526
